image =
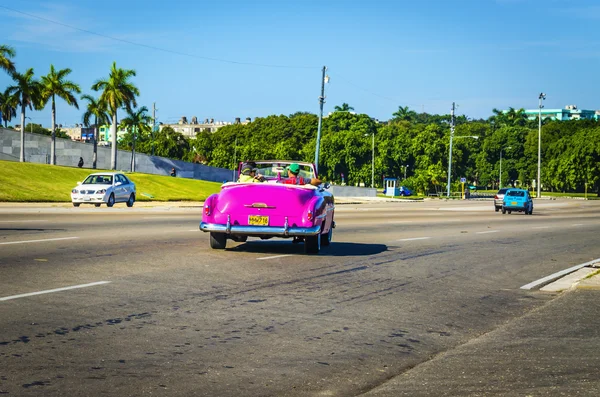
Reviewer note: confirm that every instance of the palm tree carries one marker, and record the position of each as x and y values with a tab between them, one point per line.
54	85
404	113
28	92
136	120
117	92
8	107
7	52
97	109
344	108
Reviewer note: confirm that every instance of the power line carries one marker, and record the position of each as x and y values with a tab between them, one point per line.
157	48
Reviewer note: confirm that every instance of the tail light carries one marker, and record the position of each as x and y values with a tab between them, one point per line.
310	215
496	197
206	209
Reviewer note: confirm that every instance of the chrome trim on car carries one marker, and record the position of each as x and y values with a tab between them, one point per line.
284	231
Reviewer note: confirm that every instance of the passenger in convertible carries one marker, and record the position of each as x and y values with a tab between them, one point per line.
294	179
249	174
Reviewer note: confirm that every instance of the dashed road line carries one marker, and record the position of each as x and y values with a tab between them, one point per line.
49	291
541	227
577	224
273	257
488	231
414	239
25	221
38	241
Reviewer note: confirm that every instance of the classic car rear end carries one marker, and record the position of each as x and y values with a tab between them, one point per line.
267	210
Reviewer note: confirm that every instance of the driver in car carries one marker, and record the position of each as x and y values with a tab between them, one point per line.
249	174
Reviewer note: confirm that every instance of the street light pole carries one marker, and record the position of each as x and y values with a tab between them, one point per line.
539	170
324	80
500	177
405	171
450	154
234	159
373	163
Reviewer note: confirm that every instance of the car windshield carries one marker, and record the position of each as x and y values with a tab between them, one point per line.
516	193
502	191
98	180
275	170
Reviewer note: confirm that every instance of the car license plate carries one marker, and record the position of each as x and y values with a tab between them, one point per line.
87	198
257	220
513	203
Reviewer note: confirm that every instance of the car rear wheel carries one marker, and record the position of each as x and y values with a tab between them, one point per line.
312	244
76	204
218	241
497	209
503	210
97	204
131	200
111	200
326	238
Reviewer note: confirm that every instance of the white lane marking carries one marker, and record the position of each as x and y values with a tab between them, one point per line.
487	231
38	241
557	275
194	230
541	227
48	291
393	222
577	224
273	257
24	221
414	239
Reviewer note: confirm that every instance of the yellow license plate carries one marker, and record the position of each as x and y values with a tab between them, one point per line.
513	203
257	220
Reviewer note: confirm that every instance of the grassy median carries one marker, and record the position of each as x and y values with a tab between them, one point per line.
30	182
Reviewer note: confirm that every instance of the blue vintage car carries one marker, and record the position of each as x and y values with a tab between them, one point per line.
517	200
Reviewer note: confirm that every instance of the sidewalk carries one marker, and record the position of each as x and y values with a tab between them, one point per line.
551	351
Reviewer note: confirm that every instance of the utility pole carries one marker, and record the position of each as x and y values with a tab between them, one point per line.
321	102
153	124
539	170
450	155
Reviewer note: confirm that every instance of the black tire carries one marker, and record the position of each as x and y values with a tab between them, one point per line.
131	200
111	200
312	244
326	238
497	209
218	241
76	204
503	210
97	205
509	212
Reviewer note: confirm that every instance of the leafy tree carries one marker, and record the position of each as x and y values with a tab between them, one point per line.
28	91
97	109
117	92
6	64
170	144
8	107
54	85
137	121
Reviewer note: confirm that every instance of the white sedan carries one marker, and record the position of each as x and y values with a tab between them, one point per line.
104	187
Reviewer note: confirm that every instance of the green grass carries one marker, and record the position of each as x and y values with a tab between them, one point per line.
29	182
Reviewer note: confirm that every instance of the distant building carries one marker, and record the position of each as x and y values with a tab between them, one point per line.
79	132
190	130
570	112
105	135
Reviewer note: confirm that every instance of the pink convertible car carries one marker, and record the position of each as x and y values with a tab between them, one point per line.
271	209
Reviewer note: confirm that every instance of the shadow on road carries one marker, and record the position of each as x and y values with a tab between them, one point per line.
287	247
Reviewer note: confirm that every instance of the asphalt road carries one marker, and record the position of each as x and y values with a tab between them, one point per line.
403	287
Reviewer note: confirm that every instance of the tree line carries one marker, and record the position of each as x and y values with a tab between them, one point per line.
411	144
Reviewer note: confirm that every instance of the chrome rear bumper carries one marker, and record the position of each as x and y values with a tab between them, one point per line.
284	231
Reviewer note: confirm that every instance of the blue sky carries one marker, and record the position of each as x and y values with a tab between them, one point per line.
226	59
